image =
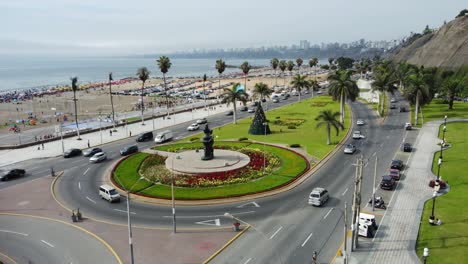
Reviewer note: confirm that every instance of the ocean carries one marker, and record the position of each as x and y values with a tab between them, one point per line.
24	72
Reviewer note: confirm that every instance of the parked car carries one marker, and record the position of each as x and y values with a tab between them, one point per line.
407	147
350	149
360	122
395	174
72	153
275	101
146	136
90	152
11	174
193	127
127	150
396	164
358	135
408	126
230	113
387	183
202	121
98	157
318	196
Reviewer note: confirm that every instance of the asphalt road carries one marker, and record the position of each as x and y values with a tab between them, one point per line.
33	240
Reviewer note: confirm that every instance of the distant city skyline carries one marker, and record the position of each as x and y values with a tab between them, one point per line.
87	27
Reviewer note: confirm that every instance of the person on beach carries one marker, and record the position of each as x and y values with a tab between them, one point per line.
110	133
89	145
42	146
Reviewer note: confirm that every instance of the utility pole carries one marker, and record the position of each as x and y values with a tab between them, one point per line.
373	186
358	204
345	256
354	208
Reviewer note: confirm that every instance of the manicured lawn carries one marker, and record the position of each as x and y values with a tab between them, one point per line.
312	139
436	110
132	119
291	166
448	243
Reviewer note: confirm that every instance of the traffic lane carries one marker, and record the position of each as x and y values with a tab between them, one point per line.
35	240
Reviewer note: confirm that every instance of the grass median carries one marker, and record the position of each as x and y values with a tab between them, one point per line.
448	243
437	109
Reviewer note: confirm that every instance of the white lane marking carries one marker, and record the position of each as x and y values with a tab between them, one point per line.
208	216
79	185
253	203
47	243
90	199
214	222
307	239
123	211
344	192
375	153
13	232
86	171
329	211
248	261
274	234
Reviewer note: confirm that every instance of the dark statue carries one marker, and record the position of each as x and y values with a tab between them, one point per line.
208	142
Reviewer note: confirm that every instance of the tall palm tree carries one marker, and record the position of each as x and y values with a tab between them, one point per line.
143	74
112	102
299	82
245	67
417	93
383	82
283	65
204	95
329	119
342	88
299	62
74	89
452	86
164	64
315	86
231	96
290	66
220	67
312	63
274	64
401	74
330	61
261	90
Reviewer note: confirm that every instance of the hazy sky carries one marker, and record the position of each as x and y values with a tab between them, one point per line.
155	26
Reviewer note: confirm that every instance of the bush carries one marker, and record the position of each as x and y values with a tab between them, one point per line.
194	139
243	139
278	117
295	145
291	127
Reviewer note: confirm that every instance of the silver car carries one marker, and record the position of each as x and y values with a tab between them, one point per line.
98	157
350	149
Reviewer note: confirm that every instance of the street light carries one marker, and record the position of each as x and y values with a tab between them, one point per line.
264	147
129	222
425	254
439	162
431	218
442	143
174	229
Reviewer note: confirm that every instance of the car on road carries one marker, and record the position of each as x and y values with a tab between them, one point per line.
98	157
251	110
402	109
396	164
350	149
193	127
393	100
275	101
387	183
319	92
10	174
407	147
395	174
127	150
392	106
202	121
146	136
72	153
360	122
318	196
230	113
90	152
408	126
109	193
358	135
244	109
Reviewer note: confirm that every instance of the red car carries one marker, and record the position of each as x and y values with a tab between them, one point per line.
395	174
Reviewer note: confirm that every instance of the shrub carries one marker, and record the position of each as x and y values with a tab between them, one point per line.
278	117
243	139
291	127
194	139
295	145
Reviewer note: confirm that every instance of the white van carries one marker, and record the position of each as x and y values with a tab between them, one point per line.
367	219
163	136
318	196
366	231
109	193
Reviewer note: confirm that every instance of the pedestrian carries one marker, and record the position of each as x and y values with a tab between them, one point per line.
130	133
89	145
38	147
110	133
35	138
42	146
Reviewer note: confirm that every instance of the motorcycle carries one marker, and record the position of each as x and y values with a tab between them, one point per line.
378	202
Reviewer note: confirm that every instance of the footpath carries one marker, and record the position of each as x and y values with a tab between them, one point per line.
395	240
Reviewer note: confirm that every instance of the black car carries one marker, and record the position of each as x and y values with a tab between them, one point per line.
14	173
402	109
230	113
144	136
387	183
397	164
244	108
392	106
407	147
129	150
72	153
91	152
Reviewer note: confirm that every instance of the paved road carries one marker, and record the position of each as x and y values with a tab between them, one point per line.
34	240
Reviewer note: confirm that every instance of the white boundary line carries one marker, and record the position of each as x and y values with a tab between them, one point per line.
274	234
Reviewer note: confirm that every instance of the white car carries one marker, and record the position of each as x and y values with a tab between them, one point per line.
98	157
202	121
350	149
193	127
360	122
358	135
251	110
393	100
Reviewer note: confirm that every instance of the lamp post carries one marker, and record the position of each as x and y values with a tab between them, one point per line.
442	143
439	162
174	229
264	146
425	254
129	221
100	127
434	196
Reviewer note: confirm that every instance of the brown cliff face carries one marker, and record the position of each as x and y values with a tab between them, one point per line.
446	47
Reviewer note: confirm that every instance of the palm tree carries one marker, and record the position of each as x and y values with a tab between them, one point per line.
290	66
342	88
231	96
143	74
401	74
245	67
74	89
261	90
164	64
112	102
417	93
314	85
220	67
329	119
274	64
312	63
330	61
299	62
204	95
283	65
452	86
383	82
299	82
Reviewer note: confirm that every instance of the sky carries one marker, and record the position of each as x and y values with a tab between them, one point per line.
124	27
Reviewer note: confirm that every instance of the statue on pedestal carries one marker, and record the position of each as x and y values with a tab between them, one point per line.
208	142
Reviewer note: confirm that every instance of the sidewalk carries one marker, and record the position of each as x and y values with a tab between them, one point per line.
54	148
395	241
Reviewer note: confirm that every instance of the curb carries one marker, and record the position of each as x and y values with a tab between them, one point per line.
210	258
